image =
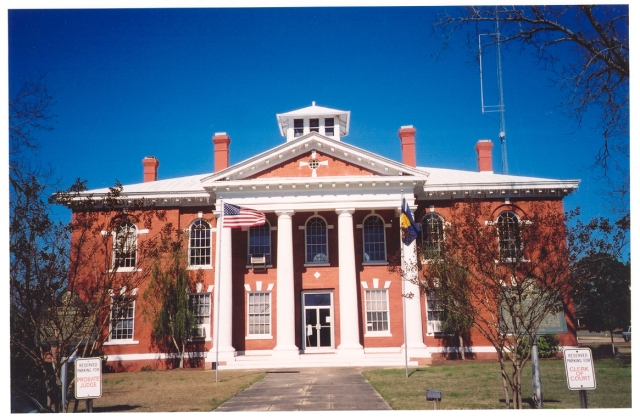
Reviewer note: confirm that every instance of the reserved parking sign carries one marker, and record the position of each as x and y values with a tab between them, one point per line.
88	378
578	365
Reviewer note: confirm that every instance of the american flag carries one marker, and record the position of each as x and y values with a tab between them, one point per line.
235	216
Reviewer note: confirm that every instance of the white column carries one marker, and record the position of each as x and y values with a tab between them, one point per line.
285	298
415	336
349	330
222	300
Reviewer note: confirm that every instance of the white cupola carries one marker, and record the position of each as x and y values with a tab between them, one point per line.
331	123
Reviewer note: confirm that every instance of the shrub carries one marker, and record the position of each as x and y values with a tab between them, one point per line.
148	367
547	346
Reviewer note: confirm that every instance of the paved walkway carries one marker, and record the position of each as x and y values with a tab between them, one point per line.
308	389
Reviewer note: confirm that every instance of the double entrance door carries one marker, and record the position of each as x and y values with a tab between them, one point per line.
317	321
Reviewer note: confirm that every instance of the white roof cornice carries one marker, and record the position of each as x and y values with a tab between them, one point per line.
448	183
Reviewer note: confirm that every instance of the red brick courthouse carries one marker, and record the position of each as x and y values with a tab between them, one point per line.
311	287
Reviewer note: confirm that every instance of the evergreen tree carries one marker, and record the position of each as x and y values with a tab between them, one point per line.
604	293
168	307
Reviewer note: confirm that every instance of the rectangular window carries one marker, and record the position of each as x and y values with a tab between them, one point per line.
316	241
200	243
328	127
377	309
122	316
200	305
260	242
314	125
259	316
298	127
124	246
435	314
373	239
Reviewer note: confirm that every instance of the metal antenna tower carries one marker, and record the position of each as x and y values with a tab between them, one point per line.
500	106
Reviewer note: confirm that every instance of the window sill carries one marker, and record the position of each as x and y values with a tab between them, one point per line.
117	342
377	335
266	266
512	260
311	265
258	337
199	267
375	263
123	270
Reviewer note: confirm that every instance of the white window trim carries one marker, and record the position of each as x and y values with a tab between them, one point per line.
205	326
132	341
271	228
113	261
445	224
323	126
199	267
191	267
430	332
326	231
384	234
521	222
382	333
262	336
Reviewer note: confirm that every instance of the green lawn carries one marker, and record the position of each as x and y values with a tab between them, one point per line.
478	385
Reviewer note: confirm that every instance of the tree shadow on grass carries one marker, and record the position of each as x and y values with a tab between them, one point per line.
416	370
118	408
529	401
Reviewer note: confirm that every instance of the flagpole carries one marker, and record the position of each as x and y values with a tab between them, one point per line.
217	286
404	303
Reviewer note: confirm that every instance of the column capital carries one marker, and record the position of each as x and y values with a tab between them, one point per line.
284	213
341	211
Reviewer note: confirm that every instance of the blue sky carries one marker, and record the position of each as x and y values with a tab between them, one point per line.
130	83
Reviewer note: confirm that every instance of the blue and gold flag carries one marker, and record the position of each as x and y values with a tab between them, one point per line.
409	228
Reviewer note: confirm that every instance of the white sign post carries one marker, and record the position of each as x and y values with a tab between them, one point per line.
578	365
88	380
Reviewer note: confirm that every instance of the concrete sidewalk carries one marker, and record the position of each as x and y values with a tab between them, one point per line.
308	389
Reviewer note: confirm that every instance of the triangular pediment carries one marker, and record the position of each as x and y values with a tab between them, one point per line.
295	159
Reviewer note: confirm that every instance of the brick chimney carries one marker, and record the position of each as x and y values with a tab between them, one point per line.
221	143
150	171
483	148
407	136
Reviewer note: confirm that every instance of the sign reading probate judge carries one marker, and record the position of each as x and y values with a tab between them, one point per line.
578	364
88	378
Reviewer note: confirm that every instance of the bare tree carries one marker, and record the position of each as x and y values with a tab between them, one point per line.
68	283
587	49
505	272
30	111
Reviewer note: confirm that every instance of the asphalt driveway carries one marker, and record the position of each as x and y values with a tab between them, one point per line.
308	389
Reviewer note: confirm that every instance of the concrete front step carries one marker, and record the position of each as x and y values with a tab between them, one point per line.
318	360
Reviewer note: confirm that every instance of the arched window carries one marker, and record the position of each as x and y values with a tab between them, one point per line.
124	245
200	243
260	241
374	239
509	240
432	234
316	241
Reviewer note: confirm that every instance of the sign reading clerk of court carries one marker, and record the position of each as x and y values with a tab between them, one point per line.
578	364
